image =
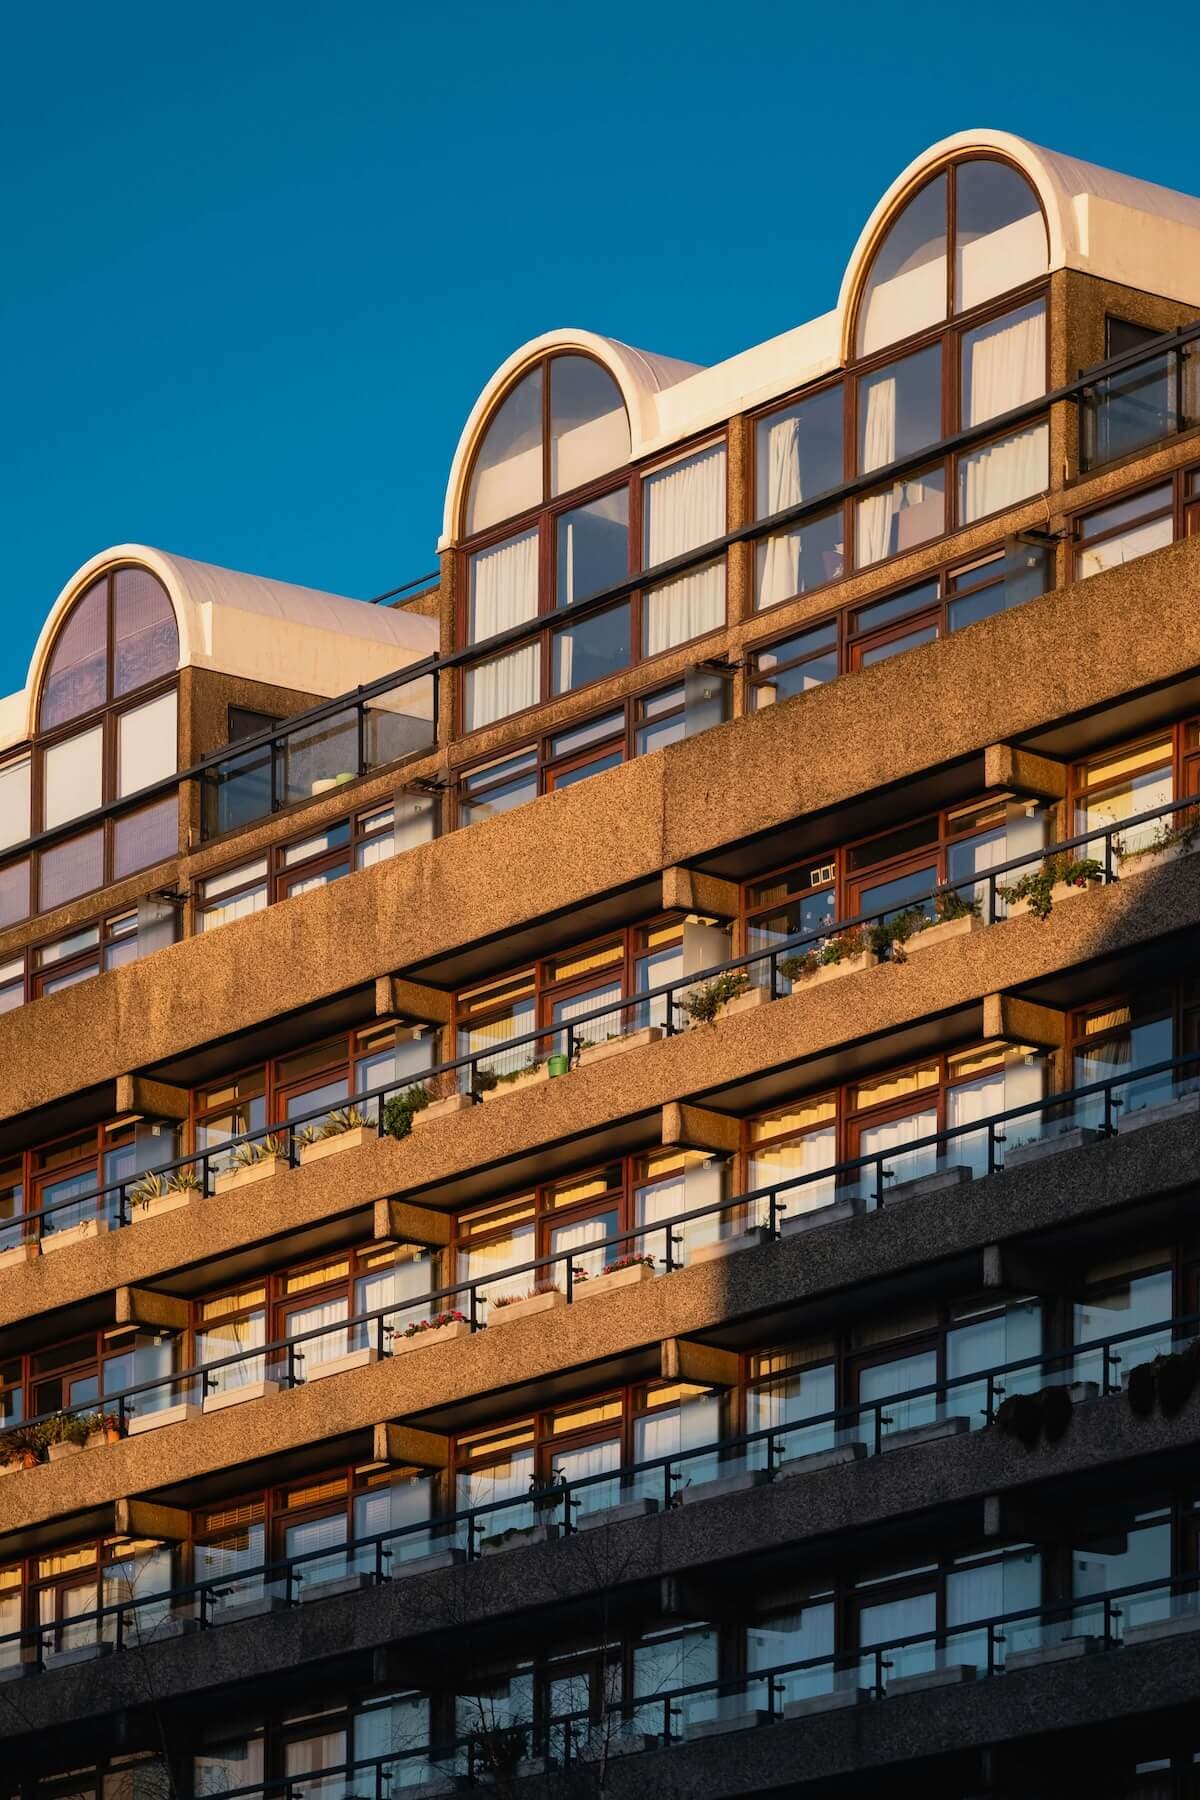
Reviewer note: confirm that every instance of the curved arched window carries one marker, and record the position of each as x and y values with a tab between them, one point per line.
950	334
970	234
562	426
107	729
554	516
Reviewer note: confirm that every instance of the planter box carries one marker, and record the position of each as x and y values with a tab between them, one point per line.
1185	1107
18	1468
517	1083
750	1001
337	1584
345	1140
1154	859
426	1565
927	1184
441	1334
182	1414
833	1213
74	1234
619	1278
743	1721
822	1703
525	1309
849	965
623	1740
1066	1650
97	1440
19	1255
729	1246
1177	1625
338	1365
237	1396
518	1537
616	1515
940	934
159	1203
923	1434
738	1483
1075	1139
832	1458
1062	890
442	1109
636	1040
257	1608
62	1659
59	1452
951	1676
259	1171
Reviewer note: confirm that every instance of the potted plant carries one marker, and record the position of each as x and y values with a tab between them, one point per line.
66	1434
1059	878
254	1161
103	1428
624	1271
543	1296
23	1447
528	1075
952	916
845	953
155	1193
1175	836
441	1328
399	1110
702	1005
346	1128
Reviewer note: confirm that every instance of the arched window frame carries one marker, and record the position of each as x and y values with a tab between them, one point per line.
107	849
630	481
947	336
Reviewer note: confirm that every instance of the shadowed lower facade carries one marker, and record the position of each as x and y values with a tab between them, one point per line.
598	1158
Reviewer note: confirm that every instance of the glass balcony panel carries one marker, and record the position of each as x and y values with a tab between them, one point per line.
400	722
237	791
1126	412
322	757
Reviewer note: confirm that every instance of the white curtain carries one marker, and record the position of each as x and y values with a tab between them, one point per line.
321	1318
685	507
892	1137
582	1243
1007	367
504	593
593	1459
876	512
226	1339
975	1100
779	566
483	1260
803	1156
1024	1082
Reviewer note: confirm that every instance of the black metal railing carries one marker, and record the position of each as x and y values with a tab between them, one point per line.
665	1006
561	1502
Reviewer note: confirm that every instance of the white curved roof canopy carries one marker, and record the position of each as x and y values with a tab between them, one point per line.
247	625
1102	223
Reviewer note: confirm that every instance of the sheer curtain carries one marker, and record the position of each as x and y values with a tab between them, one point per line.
975	1100
685	507
780	569
504	593
323	1318
803	1156
1006	366
592	1459
876	512
583	1242
228	1339
908	1166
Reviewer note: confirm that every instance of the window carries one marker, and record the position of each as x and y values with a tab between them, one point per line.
357	842
560	758
1124	530
794	665
966	236
798	457
560	430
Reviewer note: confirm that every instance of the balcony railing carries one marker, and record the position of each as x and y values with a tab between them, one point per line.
665	1005
660	1482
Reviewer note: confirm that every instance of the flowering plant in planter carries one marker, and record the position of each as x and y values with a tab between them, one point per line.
628	1262
704	1003
949	904
436	1323
842	947
248	1156
69	1428
1181	828
1037	886
399	1110
533	1293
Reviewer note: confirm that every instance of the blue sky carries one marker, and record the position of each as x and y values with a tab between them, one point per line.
258	259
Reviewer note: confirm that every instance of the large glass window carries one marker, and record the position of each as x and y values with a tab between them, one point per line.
798	457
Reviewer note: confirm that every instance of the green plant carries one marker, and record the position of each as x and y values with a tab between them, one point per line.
436	1323
529	1068
1181	828
844	946
185	1181
703	1004
949	904
484	1081
69	1428
1027	1417
24	1442
149	1187
628	1262
399	1110
889	936
343	1119
1038	885
248	1156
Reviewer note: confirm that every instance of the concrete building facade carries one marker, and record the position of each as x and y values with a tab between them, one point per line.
596	1158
